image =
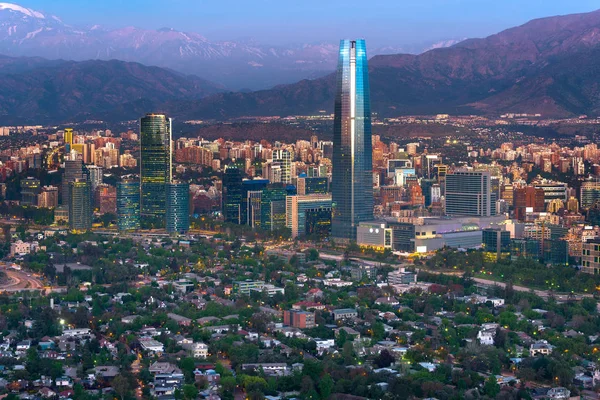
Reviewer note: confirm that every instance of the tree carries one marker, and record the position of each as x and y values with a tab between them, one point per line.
190	392
326	387
491	387
121	386
384	359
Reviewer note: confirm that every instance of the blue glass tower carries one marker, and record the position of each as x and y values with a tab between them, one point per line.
352	181
128	205
178	208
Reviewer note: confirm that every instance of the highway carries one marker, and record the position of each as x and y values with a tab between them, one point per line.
19	281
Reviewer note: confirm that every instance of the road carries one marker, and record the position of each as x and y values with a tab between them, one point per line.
19	281
541	293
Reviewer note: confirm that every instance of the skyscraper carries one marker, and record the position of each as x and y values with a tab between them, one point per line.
155	163
352	148
178	207
128	205
30	188
74	169
283	157
80	205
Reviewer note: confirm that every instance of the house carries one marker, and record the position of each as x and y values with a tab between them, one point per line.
152	345
163	368
23	346
46	393
64	381
181	320
270	369
540	347
314	294
387	301
486	336
199	350
344	313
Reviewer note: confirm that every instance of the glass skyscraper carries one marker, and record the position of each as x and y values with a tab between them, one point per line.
80	207
232	194
128	205
352	181
155	163
178	207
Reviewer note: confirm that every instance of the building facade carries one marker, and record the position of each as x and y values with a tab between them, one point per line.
80	207
468	193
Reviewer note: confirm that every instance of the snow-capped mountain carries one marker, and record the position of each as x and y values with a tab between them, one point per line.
26	32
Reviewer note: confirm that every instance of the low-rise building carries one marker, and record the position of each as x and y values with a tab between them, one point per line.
344	313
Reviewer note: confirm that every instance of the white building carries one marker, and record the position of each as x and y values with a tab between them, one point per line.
199	350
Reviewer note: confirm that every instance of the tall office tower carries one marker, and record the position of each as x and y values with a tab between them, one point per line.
74	169
30	188
469	193
80	205
178	207
48	198
272	207
352	148
155	163
96	175
527	197
284	158
232	194
128	205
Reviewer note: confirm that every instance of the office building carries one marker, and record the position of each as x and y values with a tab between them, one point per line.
307	214
468	193
178	208
352	146
155	163
232	194
273	201
30	189
553	190
250	209
313	185
128	205
590	193
80	205
48	197
496	241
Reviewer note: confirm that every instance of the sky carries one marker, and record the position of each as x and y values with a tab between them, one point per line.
277	22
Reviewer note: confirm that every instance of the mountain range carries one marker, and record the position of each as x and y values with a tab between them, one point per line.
237	65
549	66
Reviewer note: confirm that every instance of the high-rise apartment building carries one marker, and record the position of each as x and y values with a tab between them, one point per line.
48	197
526	198
96	176
469	193
105	198
155	163
284	159
178	208
80	205
74	169
352	145
128	205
